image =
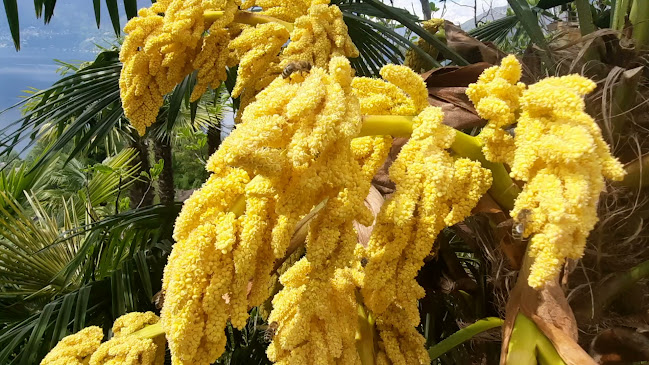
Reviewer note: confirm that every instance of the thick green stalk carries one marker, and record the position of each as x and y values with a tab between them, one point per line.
150	331
365	334
503	189
639	17
527	344
463	335
586	24
619	14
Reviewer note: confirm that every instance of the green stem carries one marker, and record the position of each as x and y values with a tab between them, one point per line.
639	17
365	334
150	331
463	335
503	189
637	173
527	344
619	14
586	24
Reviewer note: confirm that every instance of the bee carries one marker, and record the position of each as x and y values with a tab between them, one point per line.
296	66
364	261
522	220
159	299
270	331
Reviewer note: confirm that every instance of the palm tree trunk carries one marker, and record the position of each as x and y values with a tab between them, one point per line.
213	139
425	8
166	191
141	193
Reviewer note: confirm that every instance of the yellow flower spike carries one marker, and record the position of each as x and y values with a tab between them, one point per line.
562	156
496	98
287	10
413	60
316	309
472	181
253	257
75	349
256	48
410	82
441	191
319	36
127	350
165	43
131	350
201	266
402	92
292	134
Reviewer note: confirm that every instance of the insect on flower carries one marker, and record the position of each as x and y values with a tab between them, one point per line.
296	66
523	219
364	261
159	299
270	331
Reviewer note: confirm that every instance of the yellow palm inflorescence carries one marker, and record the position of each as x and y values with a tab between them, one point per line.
558	151
165	43
432	190
286	10
319	36
200	269
496	98
413	60
75	349
124	349
561	156
85	347
291	151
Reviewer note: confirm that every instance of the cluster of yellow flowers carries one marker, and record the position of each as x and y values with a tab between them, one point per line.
75	349
286	10
295	141
125	349
199	271
257	48
558	151
167	41
319	36
432	191
415	61
85	347
401	92
496	98
161	48
316	309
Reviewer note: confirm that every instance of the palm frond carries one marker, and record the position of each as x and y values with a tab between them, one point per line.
14	181
110	267
377	43
24	268
68	109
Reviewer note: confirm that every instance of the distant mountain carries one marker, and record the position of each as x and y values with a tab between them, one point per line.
493	14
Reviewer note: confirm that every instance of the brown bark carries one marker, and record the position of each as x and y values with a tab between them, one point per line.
140	193
166	190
